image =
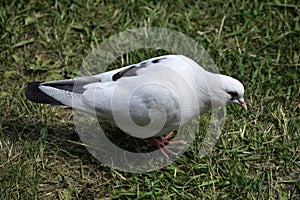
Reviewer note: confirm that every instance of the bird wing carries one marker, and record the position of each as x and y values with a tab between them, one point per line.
158	93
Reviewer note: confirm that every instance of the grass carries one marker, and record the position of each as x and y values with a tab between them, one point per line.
257	156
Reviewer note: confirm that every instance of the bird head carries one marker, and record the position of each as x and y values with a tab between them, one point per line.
234	91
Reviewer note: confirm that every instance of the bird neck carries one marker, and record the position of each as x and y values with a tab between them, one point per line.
211	93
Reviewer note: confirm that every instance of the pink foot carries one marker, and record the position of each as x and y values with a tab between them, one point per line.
162	142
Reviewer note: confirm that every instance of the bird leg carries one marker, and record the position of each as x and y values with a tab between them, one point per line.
162	142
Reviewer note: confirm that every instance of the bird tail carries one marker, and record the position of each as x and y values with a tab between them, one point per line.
65	92
35	94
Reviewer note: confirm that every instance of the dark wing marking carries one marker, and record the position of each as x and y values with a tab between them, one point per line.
131	71
157	60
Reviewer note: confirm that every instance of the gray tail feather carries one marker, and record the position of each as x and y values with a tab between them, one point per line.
34	94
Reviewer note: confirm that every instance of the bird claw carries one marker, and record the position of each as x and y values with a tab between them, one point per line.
162	142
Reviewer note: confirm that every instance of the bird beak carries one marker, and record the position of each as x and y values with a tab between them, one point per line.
242	103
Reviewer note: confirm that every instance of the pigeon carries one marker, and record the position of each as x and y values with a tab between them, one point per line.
147	100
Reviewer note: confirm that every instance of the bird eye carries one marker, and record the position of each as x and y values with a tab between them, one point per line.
233	94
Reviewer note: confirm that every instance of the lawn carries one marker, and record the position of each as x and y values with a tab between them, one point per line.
258	153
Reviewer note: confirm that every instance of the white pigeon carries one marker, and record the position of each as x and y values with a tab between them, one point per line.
146	100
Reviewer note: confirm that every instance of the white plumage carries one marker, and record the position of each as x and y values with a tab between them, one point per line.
151	98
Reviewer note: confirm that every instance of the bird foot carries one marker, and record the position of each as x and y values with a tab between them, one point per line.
162	142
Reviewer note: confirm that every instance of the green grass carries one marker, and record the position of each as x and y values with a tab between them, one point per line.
257	156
